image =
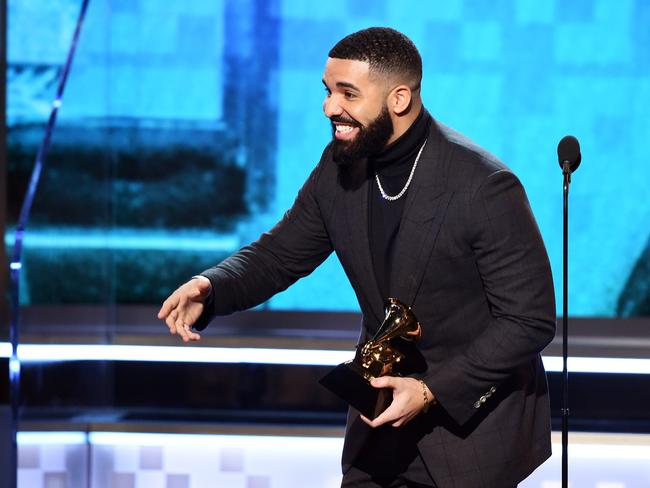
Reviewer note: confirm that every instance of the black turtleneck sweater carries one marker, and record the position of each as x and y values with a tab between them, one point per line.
393	165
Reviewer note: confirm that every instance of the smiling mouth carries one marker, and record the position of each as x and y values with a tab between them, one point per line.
344	128
345	132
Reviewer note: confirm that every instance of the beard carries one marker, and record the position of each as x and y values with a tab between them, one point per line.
369	142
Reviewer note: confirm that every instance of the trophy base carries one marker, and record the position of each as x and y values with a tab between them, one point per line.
347	382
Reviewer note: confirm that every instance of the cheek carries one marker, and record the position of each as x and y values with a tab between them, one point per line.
363	119
364	114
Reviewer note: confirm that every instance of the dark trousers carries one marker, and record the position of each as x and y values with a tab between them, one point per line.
356	478
389	459
416	476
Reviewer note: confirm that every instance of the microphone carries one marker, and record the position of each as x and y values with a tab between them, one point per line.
568	154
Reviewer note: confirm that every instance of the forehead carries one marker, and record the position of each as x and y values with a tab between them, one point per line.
347	71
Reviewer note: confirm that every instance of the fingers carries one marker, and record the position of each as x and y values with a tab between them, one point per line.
170	320
385	382
183	308
416	333
365	419
184	320
390	415
394	415
168	305
187	334
403	420
183	329
188	312
406	404
387	415
182	325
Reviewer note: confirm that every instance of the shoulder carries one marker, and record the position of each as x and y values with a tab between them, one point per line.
319	189
468	165
467	152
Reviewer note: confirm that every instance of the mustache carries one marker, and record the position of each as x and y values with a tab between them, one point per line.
344	120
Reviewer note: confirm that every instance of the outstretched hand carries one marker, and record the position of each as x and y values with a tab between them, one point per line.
183	307
408	401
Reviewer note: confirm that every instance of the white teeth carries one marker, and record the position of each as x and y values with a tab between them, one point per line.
344	128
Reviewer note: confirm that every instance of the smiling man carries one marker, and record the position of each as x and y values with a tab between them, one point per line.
370	102
417	212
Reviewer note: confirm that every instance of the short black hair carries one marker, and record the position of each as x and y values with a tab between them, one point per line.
386	50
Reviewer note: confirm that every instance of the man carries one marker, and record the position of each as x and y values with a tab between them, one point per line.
417	212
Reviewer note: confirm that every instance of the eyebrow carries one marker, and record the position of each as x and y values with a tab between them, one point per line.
343	84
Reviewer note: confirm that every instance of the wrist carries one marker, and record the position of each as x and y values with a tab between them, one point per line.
427	397
204	288
201	278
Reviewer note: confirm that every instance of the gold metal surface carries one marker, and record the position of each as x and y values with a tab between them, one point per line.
377	357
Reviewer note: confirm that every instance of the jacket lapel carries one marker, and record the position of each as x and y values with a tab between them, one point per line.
357	226
426	204
424	212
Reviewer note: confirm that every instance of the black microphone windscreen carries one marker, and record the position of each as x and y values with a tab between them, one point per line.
569	150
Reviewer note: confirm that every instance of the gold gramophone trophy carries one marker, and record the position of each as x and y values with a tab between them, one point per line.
380	356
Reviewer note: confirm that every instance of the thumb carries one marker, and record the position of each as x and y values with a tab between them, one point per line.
384	382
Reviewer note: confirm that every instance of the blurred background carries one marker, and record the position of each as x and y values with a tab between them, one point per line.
186	130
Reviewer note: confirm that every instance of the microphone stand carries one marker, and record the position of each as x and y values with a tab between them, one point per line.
566	171
17	255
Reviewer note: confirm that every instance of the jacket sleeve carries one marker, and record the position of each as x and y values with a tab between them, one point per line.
292	249
514	267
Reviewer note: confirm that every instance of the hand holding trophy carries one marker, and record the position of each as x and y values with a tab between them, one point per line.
377	357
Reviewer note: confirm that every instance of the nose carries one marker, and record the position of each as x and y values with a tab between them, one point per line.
331	108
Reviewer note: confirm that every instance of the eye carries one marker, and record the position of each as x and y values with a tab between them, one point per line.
328	92
349	95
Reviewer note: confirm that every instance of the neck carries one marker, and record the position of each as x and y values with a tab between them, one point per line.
397	158
402	122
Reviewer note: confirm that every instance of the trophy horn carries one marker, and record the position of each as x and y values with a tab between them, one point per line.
400	321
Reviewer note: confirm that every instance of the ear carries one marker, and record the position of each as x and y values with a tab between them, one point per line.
399	99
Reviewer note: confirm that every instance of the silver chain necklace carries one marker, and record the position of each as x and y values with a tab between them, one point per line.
392	198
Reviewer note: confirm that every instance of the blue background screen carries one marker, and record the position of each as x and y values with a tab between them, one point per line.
187	129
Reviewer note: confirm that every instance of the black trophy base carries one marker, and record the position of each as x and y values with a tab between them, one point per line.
347	382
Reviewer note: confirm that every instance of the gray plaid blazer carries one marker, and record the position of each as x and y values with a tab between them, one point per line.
471	262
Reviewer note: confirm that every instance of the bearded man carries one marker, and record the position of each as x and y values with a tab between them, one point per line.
418	212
